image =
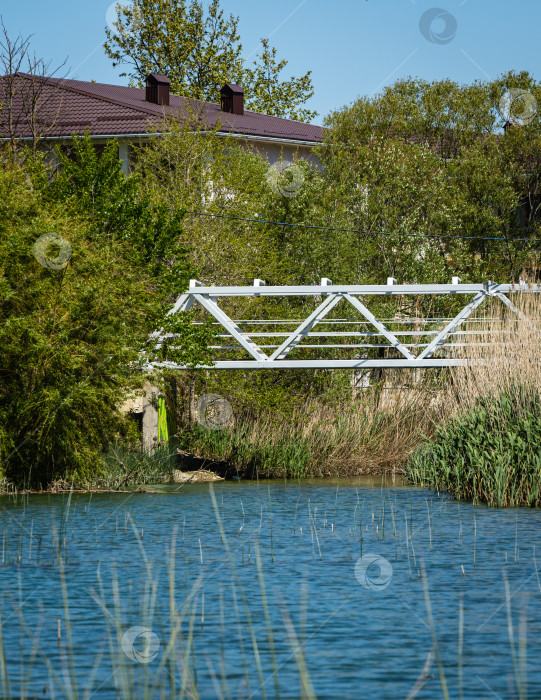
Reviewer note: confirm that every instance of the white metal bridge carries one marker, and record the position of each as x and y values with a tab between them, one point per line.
341	331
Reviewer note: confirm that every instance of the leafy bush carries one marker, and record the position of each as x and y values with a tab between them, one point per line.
71	330
489	454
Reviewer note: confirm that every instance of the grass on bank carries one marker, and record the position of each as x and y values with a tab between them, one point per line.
123	466
372	434
488	446
490	454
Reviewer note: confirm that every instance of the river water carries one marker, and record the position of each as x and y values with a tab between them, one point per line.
327	588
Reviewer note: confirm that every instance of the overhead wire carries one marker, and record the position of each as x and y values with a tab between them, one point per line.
367	233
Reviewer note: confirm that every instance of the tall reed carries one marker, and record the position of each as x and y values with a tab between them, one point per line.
364	436
505	355
488	446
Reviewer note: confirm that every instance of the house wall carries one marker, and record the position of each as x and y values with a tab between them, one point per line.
271	151
274	152
124	155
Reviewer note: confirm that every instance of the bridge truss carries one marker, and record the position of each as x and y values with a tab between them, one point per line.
339	330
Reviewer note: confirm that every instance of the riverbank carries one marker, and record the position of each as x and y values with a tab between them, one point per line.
392	479
473	431
487	449
373	434
369	435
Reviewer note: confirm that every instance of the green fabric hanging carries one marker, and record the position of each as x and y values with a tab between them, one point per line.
163	431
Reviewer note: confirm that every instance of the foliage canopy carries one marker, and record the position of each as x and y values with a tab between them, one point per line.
72	332
199	49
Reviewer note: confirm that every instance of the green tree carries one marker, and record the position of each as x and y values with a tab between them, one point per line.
119	212
69	334
214	178
433	159
268	94
88	268
198	47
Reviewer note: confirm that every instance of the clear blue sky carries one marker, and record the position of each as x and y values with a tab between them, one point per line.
353	47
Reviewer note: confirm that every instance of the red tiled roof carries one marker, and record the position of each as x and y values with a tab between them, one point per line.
75	105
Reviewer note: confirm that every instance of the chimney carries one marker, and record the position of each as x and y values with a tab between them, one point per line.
157	89
232	99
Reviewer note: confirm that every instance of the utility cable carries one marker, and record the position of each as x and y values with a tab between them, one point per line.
367	233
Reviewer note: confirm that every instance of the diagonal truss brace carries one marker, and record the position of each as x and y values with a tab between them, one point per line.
231	327
513	308
183	303
306	326
441	338
510	304
380	326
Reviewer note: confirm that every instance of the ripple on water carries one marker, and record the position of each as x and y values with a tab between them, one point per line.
342	563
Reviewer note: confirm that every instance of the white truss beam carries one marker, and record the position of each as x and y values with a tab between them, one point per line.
363	289
379	326
325	364
321	352
440	339
304	329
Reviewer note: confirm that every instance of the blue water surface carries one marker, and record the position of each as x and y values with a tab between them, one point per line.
160	594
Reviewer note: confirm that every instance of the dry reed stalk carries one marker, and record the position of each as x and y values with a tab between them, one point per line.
364	436
505	356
